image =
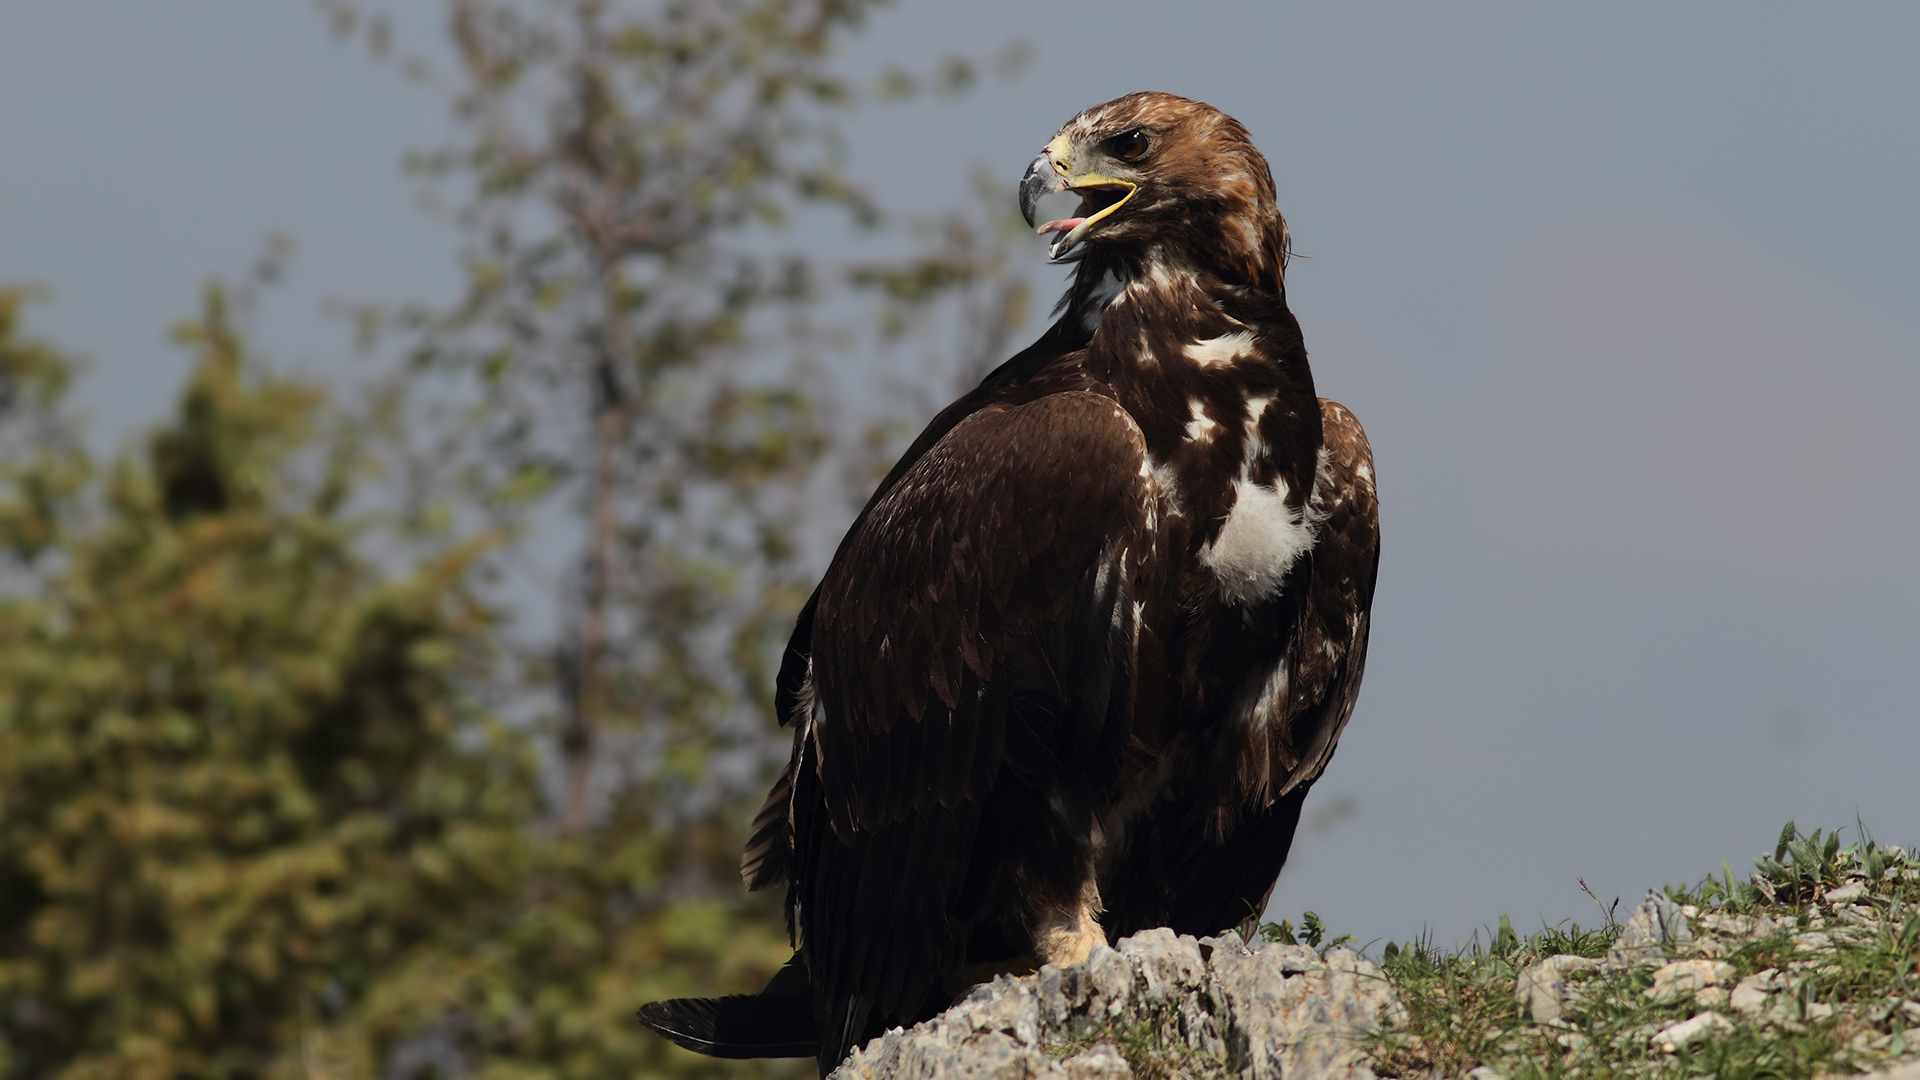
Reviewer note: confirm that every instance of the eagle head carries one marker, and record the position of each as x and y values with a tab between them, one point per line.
1161	178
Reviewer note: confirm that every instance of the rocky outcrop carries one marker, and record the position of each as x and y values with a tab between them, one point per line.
1158	1005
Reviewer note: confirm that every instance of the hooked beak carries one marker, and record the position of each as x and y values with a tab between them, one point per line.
1039	182
1101	196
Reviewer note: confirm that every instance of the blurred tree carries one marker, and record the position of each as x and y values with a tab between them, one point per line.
628	375
255	818
237	779
41	463
632	346
615	168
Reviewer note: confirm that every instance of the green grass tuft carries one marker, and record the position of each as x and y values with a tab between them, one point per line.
1847	968
1153	1047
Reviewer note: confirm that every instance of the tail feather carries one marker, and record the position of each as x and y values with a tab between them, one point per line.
737	1026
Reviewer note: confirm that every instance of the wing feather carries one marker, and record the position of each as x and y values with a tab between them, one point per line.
1198	869
1329	651
931	706
1013	482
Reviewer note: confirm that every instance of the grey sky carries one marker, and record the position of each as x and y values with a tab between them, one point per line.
1625	295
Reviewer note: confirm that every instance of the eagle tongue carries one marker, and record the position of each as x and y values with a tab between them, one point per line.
1062	225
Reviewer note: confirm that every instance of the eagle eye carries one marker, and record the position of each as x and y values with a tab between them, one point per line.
1129	145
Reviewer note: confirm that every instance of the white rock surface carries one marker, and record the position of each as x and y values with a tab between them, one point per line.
1846	894
1902	1072
1653	932
1750	996
1542	988
1684	978
1688	1032
1262	1013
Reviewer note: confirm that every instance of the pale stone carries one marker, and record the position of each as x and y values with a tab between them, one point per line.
1541	988
1908	1071
1722	923
1846	894
1264	1011
1750	996
1102	1062
1856	915
1652	932
1687	1032
1684	977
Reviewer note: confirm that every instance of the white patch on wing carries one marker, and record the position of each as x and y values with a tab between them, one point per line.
1119	613
1224	349
1259	543
1263	536
1269	702
807	700
1200	426
1256	408
1326	495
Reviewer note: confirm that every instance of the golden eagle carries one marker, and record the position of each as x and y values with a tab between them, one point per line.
1076	663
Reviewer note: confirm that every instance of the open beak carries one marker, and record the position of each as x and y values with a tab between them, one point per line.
1100	196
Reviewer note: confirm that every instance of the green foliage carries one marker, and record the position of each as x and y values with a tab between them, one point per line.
630	363
257	820
1801	867
238	781
41	465
1311	932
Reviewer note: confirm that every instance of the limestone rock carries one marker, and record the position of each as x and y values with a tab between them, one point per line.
1845	894
1541	988
1688	1032
1102	1062
1684	978
1751	994
1653	932
1213	1006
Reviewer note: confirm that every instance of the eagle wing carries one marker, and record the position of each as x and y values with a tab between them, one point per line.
768	855
1188	872
1019	533
1329	651
972	682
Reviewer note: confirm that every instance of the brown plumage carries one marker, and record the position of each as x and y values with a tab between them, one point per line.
1077	662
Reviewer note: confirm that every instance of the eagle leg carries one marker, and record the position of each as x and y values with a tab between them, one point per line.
1066	934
